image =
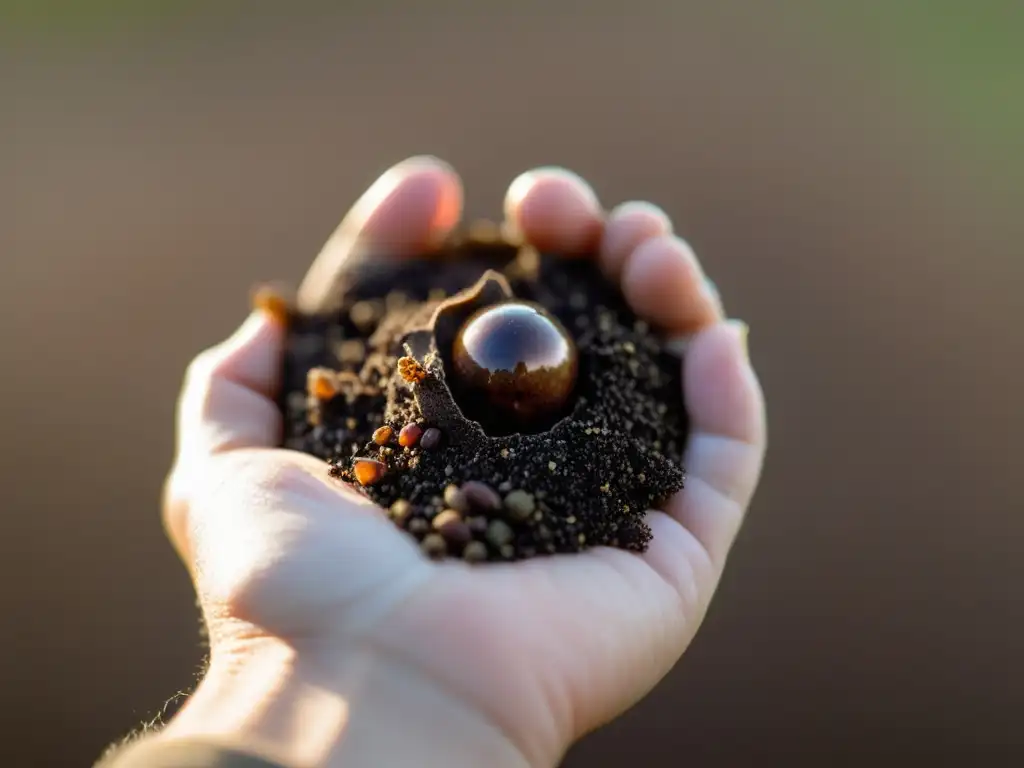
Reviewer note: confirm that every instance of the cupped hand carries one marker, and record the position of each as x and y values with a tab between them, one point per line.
493	664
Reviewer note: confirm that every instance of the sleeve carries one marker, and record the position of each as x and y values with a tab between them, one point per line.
182	754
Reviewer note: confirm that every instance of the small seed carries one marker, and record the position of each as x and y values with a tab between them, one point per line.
477	524
431	439
434	546
272	302
481	497
475	552
382	434
450	525
499	533
456	499
418	526
519	504
400	511
409	435
321	383
446	516
368	471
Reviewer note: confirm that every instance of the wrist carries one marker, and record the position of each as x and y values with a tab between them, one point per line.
305	708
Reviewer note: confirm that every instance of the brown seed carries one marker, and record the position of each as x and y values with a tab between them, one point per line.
456	499
475	552
431	439
519	504
272	302
454	530
499	533
321	383
409	435
481	497
382	434
518	359
368	471
418	526
410	370
434	546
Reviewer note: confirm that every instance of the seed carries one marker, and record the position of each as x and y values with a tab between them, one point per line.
431	439
434	546
517	358
368	471
481	497
456	499
519	504
499	533
321	383
418	526
477	524
269	300
399	511
409	435
450	525
382	434
446	516
475	552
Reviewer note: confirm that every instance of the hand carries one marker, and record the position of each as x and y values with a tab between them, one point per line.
334	641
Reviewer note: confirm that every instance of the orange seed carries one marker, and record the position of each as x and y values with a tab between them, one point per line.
368	471
268	299
410	435
382	434
322	383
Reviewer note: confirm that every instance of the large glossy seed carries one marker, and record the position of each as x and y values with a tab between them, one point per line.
518	359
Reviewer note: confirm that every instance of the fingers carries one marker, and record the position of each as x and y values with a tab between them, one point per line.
629	225
227	401
727	440
555	210
664	282
409	209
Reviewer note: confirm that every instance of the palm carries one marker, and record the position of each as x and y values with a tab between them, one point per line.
546	648
551	635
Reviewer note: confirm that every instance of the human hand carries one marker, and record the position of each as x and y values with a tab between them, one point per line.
334	641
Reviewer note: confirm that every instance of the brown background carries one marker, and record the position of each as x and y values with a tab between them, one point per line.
872	612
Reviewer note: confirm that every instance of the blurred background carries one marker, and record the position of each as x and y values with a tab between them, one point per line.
851	172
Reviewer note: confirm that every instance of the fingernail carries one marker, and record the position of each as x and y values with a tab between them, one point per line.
742	331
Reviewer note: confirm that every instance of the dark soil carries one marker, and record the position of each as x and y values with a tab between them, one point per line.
585	479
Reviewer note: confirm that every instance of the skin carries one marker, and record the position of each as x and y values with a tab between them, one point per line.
335	642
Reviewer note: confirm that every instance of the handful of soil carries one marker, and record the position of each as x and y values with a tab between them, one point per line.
498	403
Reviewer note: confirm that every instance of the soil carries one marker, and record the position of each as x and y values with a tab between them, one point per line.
377	354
